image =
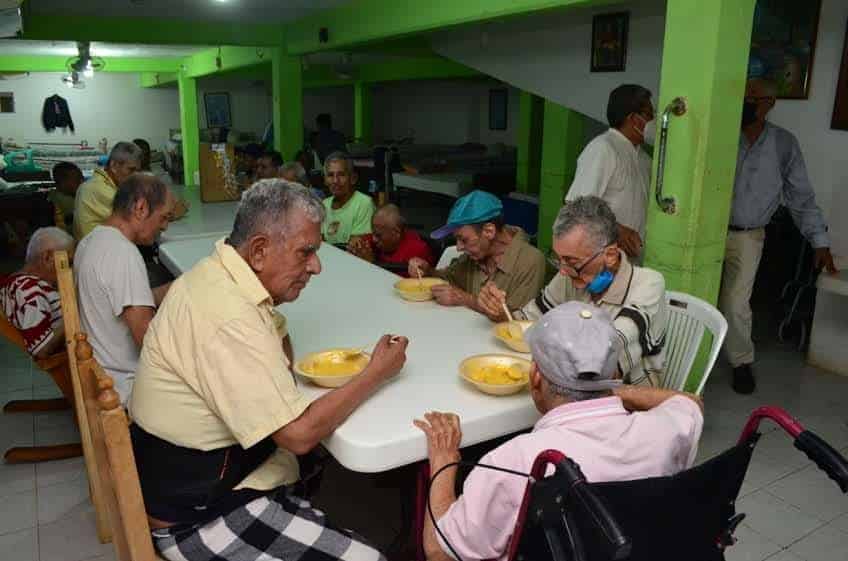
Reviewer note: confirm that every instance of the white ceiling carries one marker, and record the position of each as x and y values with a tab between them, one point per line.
243	11
69	48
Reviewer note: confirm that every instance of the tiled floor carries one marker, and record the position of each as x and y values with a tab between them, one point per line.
794	512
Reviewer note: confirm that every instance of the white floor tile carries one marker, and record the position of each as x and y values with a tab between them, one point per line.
18	512
841	523
59	434
112	556
813	492
751	546
73	538
7	396
46	392
763	471
784	555
53	419
61	471
16	478
16	379
778	447
22	545
775	519
825	544
57	501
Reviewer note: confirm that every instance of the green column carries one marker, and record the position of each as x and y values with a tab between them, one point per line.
363	123
288	103
562	141
530	123
705	58
190	127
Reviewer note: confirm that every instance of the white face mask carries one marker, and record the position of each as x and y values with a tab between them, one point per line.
649	132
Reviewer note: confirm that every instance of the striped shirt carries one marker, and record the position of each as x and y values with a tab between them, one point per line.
32	306
636	301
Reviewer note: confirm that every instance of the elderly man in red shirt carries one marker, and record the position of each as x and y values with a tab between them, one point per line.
614	432
390	242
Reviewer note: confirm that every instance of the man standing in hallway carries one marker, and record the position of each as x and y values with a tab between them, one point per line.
770	170
614	168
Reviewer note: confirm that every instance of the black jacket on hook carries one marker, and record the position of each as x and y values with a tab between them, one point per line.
56	114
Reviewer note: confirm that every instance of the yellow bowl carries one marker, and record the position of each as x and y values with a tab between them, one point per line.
412	290
331	368
501	331
486	372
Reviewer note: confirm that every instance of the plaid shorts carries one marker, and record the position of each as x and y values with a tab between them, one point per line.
278	526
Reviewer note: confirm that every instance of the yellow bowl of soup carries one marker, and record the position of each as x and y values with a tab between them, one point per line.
332	368
503	332
496	374
415	290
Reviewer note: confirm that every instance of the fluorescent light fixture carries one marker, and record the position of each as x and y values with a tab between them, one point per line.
88	71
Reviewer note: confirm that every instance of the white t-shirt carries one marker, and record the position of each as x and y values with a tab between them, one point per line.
110	275
611	168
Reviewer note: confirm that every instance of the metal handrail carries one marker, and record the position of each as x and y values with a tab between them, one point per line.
676	107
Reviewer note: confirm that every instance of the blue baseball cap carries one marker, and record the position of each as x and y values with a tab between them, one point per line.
474	208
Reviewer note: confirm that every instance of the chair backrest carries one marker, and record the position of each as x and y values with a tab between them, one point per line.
117	470
85	396
449	254
689	318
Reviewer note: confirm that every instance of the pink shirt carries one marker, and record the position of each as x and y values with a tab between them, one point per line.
607	442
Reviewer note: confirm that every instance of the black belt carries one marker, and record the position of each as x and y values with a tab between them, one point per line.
733	228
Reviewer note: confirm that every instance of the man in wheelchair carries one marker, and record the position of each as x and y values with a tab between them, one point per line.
614	432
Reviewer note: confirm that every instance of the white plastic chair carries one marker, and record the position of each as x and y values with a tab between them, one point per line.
449	254
688	319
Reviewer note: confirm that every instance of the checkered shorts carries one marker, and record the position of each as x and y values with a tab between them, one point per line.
280	526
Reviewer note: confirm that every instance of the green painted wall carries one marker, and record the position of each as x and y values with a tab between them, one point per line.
25	63
529	136
225	59
287	86
363	123
562	142
190	127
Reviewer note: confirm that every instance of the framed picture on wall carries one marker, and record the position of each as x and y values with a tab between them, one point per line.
783	44
217	109
498	104
609	42
840	104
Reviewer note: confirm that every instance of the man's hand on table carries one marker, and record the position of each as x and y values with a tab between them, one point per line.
359	246
447	295
823	259
388	357
491	302
180	209
417	264
444	436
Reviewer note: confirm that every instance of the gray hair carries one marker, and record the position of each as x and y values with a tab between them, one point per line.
139	186
391	212
124	152
50	238
299	172
574	395
265	207
338	157
593	214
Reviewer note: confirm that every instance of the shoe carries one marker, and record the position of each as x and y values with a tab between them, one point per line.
743	379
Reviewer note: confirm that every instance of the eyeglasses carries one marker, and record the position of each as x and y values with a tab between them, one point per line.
572	271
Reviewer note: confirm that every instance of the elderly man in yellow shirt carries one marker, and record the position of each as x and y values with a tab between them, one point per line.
93	203
218	417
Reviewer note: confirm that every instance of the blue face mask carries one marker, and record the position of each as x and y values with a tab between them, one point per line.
600	283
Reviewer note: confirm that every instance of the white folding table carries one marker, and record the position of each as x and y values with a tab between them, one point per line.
202	219
352	303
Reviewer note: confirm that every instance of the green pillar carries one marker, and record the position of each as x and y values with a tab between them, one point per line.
530	123
705	57
190	128
363	123
562	141
288	103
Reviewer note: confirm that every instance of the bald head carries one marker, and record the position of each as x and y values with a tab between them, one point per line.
387	226
389	215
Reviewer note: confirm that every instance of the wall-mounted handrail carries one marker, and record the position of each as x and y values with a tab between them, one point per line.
677	107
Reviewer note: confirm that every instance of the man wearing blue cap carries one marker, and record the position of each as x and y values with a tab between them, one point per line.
491	252
614	432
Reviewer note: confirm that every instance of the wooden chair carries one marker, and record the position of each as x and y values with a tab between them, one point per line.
117	472
85	398
56	366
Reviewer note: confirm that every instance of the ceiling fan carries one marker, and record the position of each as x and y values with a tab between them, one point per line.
83	64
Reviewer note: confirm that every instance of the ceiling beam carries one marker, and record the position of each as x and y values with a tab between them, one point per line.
26	63
365	21
147	31
225	59
157	79
320	76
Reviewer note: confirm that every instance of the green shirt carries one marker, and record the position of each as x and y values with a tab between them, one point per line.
353	219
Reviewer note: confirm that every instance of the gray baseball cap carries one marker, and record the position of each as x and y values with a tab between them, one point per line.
576	346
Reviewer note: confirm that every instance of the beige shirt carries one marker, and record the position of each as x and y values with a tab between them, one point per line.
93	203
212	371
521	272
636	302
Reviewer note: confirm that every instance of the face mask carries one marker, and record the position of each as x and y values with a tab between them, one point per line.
600	283
749	113
649	131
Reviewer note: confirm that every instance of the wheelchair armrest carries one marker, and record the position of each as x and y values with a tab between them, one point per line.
825	457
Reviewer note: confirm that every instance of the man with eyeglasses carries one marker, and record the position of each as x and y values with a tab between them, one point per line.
615	168
770	171
594	269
